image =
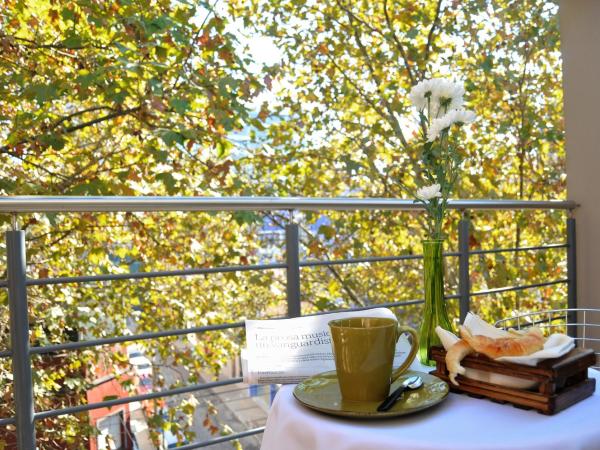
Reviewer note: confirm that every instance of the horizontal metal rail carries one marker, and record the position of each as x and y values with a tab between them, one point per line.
545	323
133	398
183	331
42	204
368	259
202	329
254	267
180	332
518	288
133	337
517	249
145	275
371	306
548	311
207	270
219	440
7	421
121	401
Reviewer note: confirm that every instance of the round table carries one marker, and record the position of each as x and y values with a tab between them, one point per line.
460	423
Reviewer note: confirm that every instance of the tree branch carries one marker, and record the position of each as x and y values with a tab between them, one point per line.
392	118
398	44
114	115
192	44
123	112
79	113
37	166
430	36
34	45
379	31
370	101
353	16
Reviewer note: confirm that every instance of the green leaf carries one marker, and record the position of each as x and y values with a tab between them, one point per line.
179	37
161	52
157	25
487	64
41	92
122	48
412	33
327	231
155	86
7	184
179	105
67	14
93	187
223	148
167	179
73	41
55	141
52	218
159	154
247	217
352	167
172	137
85	80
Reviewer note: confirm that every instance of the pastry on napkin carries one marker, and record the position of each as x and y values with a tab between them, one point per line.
554	346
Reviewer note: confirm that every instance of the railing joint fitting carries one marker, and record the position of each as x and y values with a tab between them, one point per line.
15	221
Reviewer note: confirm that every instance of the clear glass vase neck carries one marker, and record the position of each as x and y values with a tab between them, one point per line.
434	309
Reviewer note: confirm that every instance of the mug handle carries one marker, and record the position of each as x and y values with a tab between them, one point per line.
414	347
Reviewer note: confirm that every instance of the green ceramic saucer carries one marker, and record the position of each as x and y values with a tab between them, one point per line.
322	393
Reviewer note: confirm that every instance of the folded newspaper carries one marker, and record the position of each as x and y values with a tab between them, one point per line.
287	351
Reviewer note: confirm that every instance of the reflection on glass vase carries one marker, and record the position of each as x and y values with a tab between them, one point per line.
434	311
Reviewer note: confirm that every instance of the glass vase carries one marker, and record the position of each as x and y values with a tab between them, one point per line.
434	311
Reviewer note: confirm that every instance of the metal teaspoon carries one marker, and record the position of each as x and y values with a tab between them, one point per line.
410	383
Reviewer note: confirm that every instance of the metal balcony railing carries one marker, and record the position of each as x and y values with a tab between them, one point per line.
17	280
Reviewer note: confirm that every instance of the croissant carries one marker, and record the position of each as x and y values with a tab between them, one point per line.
455	355
519	345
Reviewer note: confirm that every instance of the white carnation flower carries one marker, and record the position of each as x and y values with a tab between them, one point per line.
428	192
458	116
447	95
437	126
441	93
420	92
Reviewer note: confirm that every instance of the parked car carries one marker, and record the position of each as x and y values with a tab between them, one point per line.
169	440
142	366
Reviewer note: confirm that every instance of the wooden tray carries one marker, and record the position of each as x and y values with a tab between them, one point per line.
562	381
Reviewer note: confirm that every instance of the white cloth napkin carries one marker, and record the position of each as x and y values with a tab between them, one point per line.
556	345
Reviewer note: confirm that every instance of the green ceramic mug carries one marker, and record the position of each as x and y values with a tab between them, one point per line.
364	349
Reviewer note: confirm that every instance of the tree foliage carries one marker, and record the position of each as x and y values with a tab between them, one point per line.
164	98
343	82
104	98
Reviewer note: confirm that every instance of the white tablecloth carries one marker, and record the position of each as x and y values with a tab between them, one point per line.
460	423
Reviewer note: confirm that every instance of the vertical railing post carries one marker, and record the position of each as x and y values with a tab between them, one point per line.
19	339
464	282
571	274
292	257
